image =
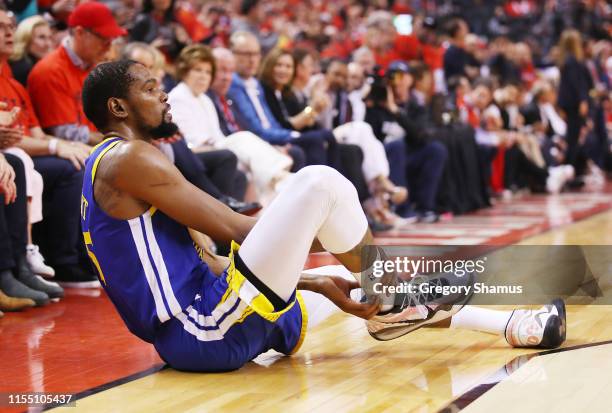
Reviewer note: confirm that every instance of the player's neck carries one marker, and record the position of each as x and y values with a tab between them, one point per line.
124	132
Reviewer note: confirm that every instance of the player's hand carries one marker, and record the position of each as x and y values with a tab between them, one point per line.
7	181
338	291
73	152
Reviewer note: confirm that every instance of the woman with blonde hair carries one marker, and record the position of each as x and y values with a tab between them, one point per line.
33	41
573	98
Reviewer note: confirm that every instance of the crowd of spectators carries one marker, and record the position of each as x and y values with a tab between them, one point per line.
429	107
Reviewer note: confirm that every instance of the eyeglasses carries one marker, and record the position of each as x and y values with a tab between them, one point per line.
7	27
247	54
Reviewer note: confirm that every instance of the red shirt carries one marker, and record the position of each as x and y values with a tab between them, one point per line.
55	85
14	95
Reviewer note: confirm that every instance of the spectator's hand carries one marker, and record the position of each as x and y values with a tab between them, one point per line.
391	105
9	137
320	101
539	127
284	149
73	152
7	181
8	117
319	86
519	138
181	34
83	146
160	43
520	121
63	6
583	109
203	148
584	132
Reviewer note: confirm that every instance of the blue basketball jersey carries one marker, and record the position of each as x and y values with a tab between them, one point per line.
148	265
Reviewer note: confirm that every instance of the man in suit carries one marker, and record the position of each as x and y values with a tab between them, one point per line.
224	71
253	113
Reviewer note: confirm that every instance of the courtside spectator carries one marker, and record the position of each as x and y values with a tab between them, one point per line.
33	41
59	162
56	81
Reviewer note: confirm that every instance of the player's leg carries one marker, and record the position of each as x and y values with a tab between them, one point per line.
317	202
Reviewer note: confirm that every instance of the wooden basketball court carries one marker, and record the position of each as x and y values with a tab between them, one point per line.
80	346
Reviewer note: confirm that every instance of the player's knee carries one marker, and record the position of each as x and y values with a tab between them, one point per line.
319	178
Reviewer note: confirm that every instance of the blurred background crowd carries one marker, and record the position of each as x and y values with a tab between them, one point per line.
431	108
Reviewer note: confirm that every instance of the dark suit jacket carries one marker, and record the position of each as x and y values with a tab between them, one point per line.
574	86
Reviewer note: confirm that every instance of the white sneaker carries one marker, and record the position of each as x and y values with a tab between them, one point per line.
37	262
541	328
557	176
569	172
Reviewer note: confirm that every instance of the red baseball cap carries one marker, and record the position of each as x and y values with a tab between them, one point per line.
96	17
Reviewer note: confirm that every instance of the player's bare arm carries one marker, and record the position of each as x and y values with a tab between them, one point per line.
136	175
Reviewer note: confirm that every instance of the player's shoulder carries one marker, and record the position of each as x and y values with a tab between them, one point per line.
135	158
133	152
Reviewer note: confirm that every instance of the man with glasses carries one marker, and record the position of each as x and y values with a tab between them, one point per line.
56	81
253	113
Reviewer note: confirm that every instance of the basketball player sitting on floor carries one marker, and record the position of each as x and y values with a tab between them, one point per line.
137	216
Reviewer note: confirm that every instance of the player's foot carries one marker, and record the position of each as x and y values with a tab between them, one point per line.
415	309
541	328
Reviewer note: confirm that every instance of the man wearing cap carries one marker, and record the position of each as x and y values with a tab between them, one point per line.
56	81
58	161
55	84
415	160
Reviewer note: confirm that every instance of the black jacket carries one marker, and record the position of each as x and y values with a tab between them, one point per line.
574	86
383	122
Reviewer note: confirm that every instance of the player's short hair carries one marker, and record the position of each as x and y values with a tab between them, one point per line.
105	81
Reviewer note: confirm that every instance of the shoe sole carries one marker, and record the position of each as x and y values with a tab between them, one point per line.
555	330
251	211
395	331
44	274
553	334
84	284
17	309
444	312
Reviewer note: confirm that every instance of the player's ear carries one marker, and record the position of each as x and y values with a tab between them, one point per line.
117	108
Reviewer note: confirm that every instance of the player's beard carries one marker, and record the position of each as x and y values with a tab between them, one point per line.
164	130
